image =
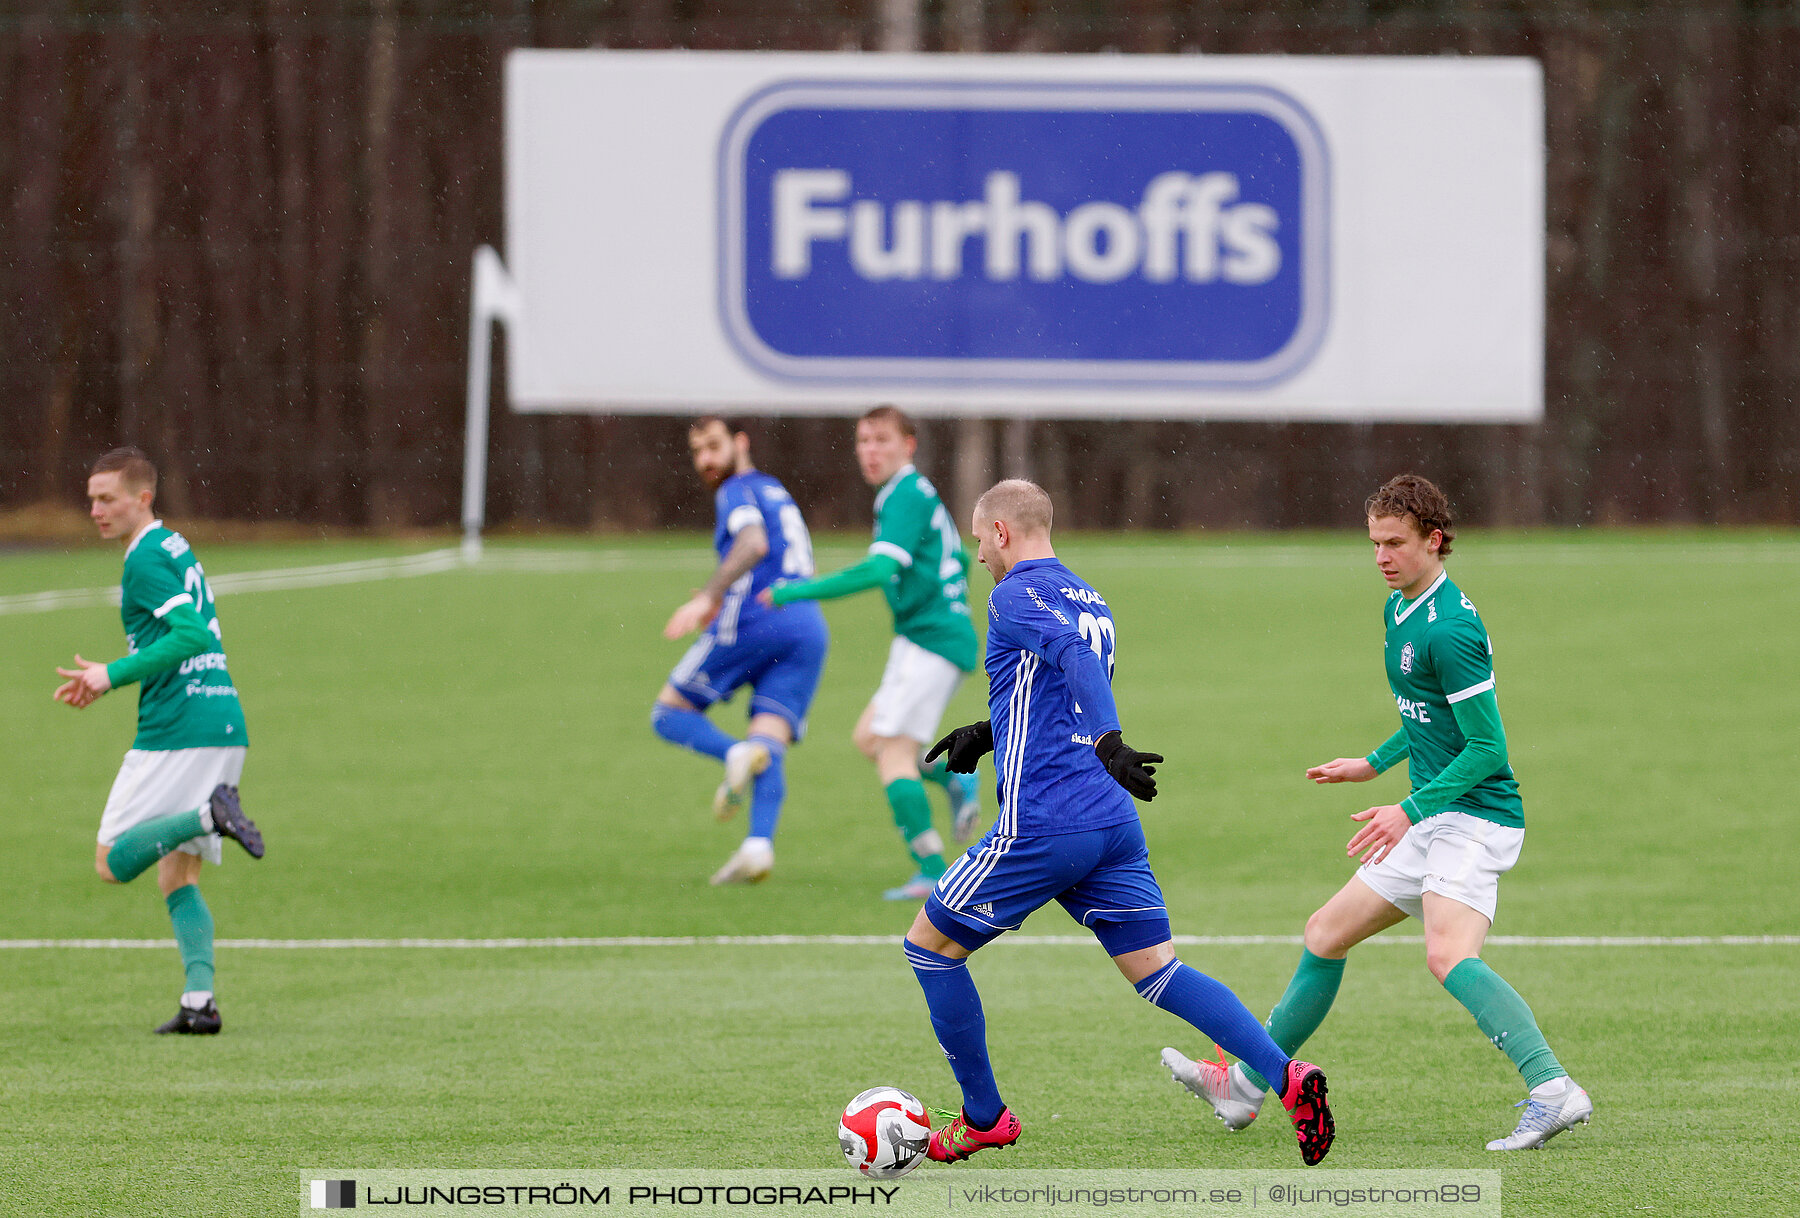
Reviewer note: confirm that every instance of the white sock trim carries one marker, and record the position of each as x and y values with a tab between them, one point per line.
927	843
193	1000
1242	1085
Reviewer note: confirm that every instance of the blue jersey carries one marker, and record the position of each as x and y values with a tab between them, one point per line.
756	498
1050	781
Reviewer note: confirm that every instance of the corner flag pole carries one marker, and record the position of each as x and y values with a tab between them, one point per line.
493	298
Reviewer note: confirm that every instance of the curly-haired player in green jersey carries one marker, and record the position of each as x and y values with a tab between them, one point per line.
1437	855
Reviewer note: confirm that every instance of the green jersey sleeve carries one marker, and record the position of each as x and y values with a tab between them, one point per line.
153	581
1483	754
1440	668
1390	753
871	572
174	649
903	524
187	637
1462	659
1463	662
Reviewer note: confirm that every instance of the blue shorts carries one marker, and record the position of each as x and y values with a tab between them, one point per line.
1098	876
779	655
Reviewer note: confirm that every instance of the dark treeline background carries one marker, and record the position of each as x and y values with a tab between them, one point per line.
238	233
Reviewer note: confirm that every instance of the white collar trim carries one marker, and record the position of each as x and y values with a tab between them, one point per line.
139	536
1403	614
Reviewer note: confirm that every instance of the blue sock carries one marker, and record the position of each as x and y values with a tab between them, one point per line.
769	791
691	730
961	1029
1211	1006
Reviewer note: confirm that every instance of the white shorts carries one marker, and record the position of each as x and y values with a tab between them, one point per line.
157	782
916	687
1452	854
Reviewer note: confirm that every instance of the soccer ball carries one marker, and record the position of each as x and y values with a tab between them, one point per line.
884	1132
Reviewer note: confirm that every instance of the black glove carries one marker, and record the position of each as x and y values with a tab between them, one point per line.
1131	769
967	745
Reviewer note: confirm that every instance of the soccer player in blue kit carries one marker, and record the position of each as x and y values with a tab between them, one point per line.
761	538
1066	830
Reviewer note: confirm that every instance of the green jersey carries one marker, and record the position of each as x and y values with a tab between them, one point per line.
187	700
1440	665
929	596
917	559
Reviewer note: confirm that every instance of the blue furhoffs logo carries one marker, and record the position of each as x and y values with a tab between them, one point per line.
1019	234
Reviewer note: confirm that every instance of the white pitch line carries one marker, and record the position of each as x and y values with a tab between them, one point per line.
68	598
1162	556
369	570
1501	554
880	941
321	575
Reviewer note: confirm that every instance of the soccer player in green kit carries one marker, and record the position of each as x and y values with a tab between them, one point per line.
917	561
176	793
1438	854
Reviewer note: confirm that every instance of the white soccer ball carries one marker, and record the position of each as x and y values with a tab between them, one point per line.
884	1132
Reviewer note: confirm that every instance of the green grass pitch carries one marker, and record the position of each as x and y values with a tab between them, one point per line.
468	754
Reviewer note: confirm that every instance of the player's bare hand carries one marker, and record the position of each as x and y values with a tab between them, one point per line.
87	681
766	598
1386	825
1344	769
693	615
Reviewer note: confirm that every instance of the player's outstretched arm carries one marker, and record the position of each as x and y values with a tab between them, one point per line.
188	636
691	615
966	746
871	572
1344	769
1390	753
87	681
1134	771
748	548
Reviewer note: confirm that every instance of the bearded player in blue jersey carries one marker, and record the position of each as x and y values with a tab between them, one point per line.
1066	830
761	538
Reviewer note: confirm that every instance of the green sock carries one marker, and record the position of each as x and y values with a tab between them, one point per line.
912	815
141	845
937	771
1504	1019
1302	1007
193	934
